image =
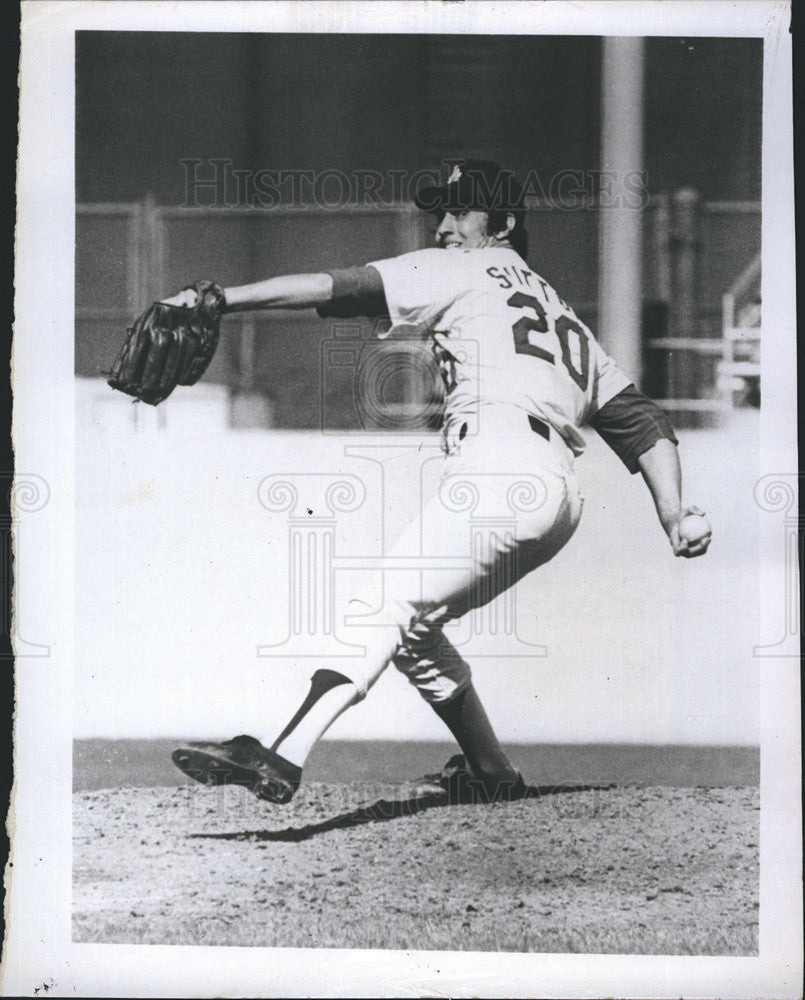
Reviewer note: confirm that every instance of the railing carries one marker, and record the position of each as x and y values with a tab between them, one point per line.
676	223
740	365
118	273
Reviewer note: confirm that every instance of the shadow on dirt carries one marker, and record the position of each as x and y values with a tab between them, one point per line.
381	812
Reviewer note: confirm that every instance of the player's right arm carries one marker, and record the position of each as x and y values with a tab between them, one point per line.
640	434
662	472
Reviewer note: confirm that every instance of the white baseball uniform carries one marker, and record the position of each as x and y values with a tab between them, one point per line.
521	374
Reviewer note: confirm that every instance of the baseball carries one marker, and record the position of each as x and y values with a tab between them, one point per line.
693	527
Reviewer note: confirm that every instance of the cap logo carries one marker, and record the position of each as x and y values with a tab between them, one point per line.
455	175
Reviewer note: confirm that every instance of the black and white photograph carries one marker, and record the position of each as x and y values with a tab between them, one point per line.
406	511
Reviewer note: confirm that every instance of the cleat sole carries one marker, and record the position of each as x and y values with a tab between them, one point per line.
208	769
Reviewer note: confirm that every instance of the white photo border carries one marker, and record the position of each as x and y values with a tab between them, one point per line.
39	949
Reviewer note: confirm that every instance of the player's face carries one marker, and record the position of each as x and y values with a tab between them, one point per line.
465	230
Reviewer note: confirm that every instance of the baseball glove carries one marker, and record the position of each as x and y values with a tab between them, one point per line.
169	345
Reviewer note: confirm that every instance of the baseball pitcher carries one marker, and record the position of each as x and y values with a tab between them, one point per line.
522	374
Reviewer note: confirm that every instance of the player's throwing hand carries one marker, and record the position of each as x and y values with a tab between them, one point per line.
691	534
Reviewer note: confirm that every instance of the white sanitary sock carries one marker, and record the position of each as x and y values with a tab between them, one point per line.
298	744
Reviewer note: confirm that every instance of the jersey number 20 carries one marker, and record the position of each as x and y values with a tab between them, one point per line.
563	327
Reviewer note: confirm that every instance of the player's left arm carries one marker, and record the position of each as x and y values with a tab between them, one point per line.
355	291
286	291
639	432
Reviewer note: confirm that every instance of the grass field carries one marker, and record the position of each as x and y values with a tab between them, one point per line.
666	863
102	763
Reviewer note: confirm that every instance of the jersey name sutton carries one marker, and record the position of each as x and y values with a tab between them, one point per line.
501	334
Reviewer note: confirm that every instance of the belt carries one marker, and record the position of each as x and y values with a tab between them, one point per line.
537	426
540	427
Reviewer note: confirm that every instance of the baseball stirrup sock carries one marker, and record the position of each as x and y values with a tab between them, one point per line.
330	694
467	720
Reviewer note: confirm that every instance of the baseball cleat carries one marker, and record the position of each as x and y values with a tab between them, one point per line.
240	761
462	787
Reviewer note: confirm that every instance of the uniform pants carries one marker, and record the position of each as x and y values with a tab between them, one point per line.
507	502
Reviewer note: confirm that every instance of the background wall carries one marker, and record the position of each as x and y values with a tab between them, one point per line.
640	646
386	103
401	102
167	643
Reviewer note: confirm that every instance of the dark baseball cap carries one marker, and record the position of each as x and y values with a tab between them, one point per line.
474	184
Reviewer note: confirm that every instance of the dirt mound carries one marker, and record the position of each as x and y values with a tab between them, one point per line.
625	870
